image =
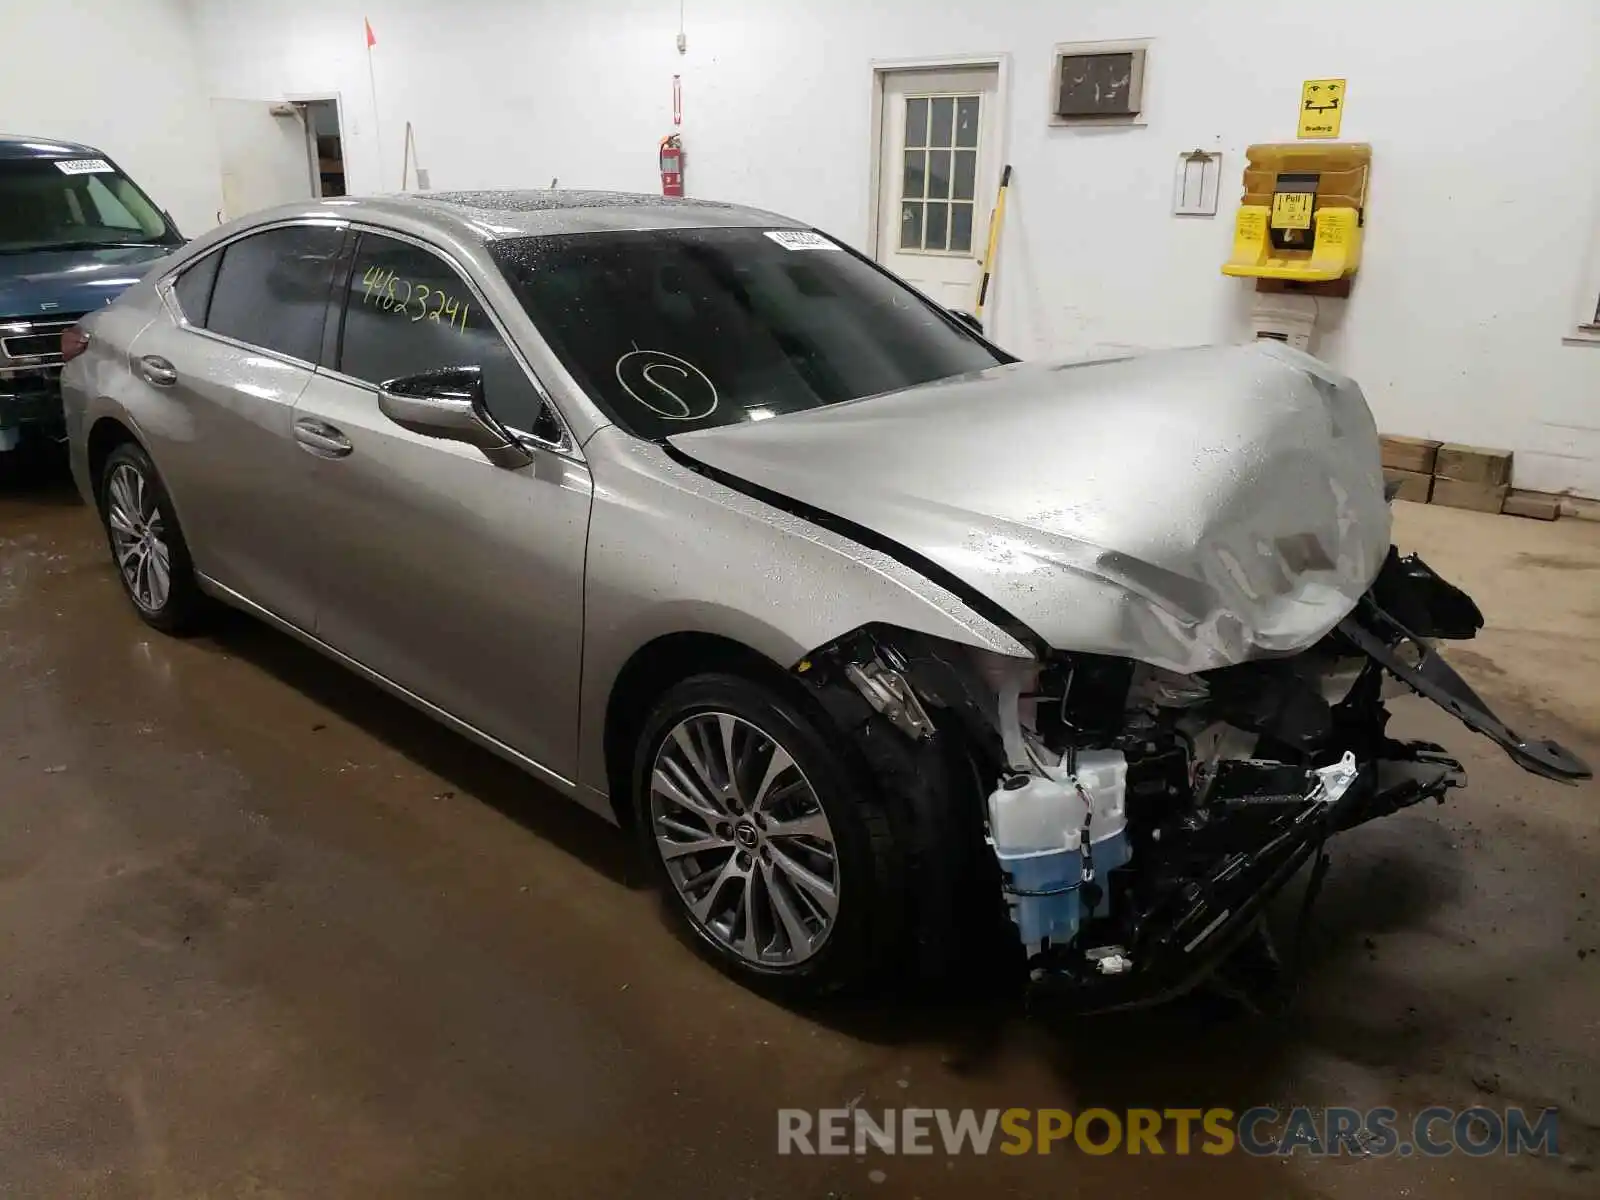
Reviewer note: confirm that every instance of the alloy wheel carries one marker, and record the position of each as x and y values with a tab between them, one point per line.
744	839
138	537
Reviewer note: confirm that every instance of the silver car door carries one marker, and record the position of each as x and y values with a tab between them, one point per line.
458	580
219	372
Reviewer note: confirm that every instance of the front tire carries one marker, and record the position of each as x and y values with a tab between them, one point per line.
147	545
772	853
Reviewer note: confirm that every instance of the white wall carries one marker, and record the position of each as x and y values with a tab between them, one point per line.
1484	118
122	77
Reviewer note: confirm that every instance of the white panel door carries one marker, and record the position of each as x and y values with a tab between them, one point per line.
264	157
939	165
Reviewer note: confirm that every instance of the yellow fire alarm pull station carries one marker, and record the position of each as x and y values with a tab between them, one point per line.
1301	215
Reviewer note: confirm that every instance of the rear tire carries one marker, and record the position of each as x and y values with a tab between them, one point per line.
146	541
782	871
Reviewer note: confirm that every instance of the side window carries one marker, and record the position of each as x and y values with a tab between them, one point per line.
407	311
193	289
272	289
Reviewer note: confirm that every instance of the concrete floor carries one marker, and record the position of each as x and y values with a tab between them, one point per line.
265	932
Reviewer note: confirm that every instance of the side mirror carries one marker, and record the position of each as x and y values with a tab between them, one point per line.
448	403
967	319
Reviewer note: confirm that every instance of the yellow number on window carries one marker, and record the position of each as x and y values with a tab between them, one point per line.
451	309
372	280
423	292
434	315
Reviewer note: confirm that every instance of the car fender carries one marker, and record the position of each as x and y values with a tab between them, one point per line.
671	551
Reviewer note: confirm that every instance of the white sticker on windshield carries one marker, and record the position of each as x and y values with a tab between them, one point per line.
84	166
800	239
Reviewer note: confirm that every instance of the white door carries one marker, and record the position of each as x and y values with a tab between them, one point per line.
265	160
938	167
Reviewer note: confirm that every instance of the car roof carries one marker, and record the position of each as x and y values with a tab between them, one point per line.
487	216
22	146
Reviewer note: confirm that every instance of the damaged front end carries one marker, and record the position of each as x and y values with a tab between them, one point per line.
1136	821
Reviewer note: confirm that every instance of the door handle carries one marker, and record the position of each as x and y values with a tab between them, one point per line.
158	370
320	438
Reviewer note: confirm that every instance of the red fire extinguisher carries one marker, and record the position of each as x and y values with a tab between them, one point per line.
672	165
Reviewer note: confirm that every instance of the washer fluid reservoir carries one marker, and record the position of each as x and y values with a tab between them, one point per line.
1049	832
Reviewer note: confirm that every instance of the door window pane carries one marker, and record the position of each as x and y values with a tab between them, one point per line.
916	121
272	289
967	121
911	226
408	311
938	220
943	116
966	174
961	227
912	177
193	289
938	174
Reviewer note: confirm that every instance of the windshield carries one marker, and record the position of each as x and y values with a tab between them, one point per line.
69	204
675	330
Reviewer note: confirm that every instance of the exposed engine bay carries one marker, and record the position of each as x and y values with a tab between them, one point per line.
1133	821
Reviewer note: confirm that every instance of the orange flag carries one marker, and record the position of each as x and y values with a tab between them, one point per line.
372	39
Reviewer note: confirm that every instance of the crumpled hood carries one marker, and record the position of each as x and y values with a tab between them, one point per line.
71	281
1187	508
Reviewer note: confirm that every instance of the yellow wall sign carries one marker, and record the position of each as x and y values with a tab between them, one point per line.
1292	210
1321	108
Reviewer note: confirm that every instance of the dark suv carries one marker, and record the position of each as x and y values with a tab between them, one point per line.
74	232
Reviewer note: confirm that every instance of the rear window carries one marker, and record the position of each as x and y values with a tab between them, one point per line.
272	289
70	204
674	330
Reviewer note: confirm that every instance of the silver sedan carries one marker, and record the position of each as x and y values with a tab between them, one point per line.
886	645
